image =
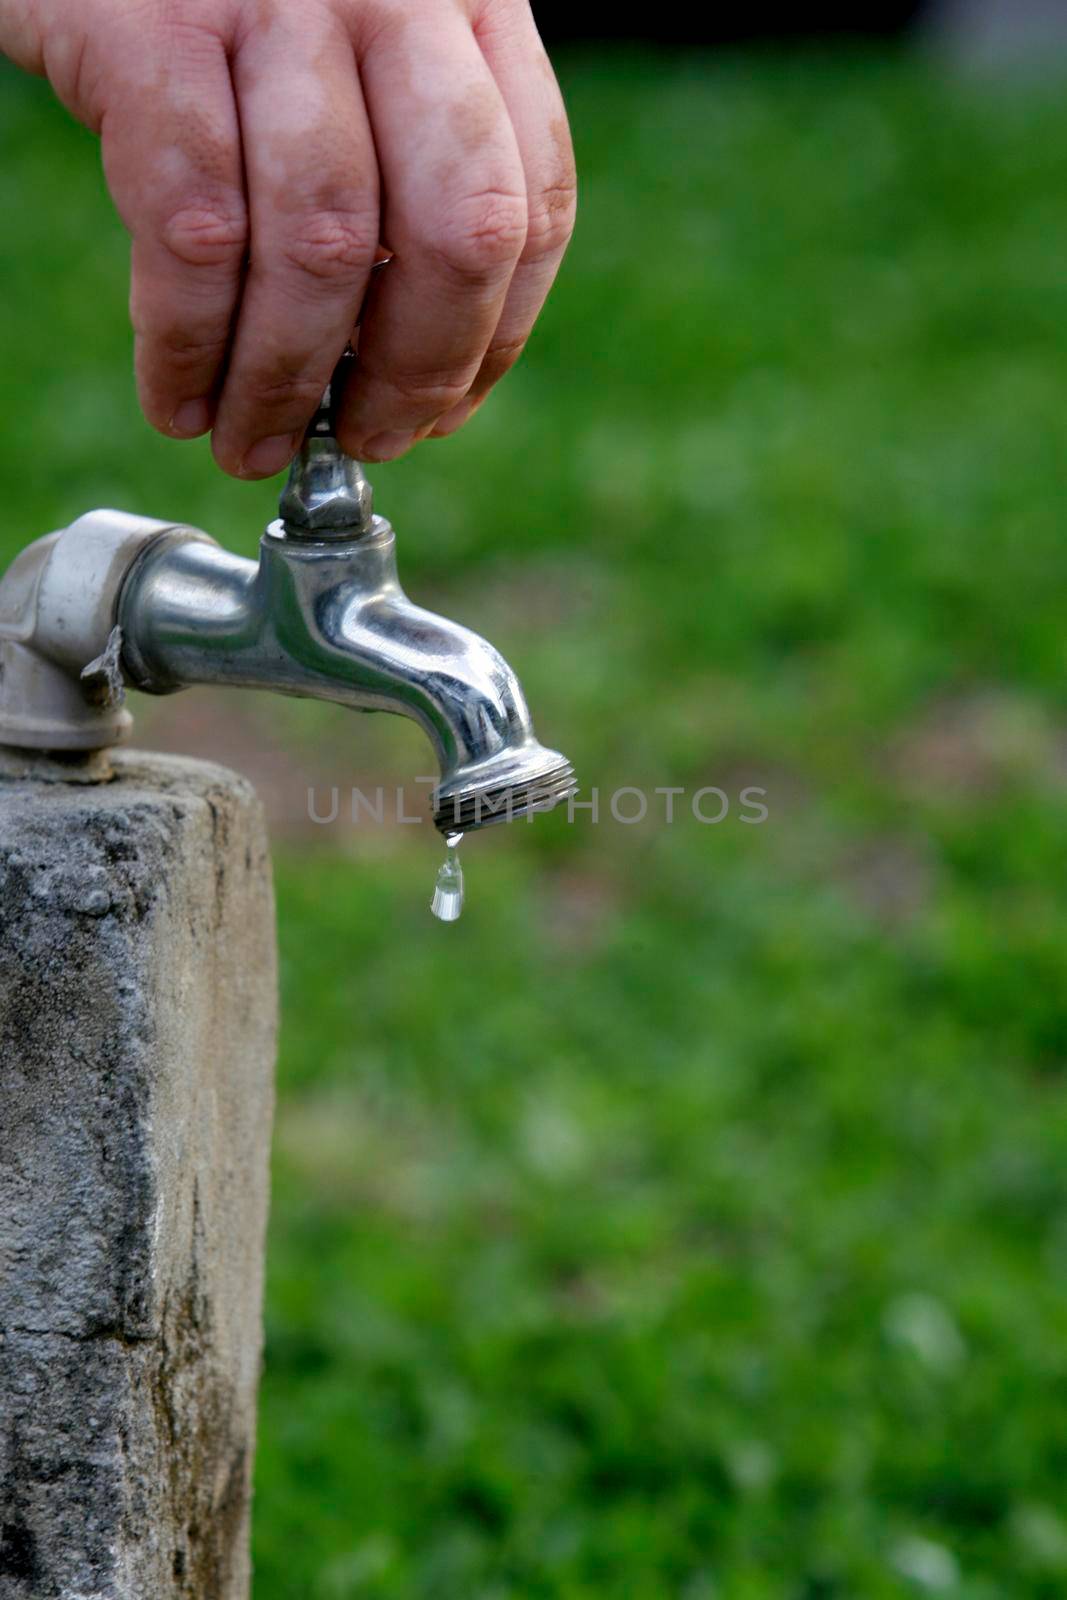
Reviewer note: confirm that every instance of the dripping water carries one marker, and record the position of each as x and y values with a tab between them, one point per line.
447	902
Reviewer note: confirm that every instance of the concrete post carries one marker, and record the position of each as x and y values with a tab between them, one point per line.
137	1025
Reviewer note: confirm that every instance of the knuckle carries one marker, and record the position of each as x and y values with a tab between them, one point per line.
551	221
211	232
482	237
332	245
428	394
500	357
423	395
183	351
297	392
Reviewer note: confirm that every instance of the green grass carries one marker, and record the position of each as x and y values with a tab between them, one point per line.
690	1221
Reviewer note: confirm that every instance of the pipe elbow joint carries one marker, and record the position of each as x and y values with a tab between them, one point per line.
61	685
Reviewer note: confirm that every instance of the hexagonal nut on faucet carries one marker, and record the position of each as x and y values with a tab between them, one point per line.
327	495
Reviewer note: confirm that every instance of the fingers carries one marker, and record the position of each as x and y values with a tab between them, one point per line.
311	173
455	217
514	53
172	158
247	274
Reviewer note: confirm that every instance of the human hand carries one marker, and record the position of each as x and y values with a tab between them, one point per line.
259	150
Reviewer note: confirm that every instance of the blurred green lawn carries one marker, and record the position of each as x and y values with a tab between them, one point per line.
690	1220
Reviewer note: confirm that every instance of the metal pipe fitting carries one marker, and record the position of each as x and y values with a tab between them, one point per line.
117	599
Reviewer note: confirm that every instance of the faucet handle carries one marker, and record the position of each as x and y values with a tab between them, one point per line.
327	495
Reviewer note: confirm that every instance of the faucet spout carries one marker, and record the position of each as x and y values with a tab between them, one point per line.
116	599
328	619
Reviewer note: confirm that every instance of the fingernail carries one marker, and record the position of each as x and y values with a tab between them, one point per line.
387	446
269	456
193	417
453	420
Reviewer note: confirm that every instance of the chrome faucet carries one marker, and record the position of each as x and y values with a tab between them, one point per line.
116	600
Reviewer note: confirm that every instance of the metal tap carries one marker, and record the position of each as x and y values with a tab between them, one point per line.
116	600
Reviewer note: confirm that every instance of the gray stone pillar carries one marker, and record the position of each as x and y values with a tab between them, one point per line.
137	1025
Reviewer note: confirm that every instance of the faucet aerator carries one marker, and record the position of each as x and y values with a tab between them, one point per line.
541	779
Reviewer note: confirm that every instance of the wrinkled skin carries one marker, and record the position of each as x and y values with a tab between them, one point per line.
258	151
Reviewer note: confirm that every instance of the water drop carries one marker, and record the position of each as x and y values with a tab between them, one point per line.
447	902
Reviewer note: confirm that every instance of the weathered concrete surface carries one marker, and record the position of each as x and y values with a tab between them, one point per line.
137	1023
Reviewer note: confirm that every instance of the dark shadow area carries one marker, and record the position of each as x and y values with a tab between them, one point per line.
561	22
